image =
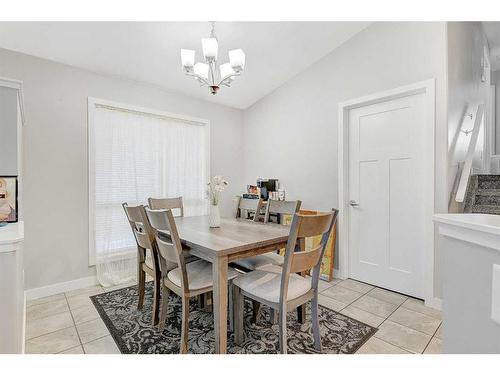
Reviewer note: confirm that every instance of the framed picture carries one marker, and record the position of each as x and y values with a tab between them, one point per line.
8	199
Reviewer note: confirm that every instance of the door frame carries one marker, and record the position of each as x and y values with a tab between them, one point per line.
427	88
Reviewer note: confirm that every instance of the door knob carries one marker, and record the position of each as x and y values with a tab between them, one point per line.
353	203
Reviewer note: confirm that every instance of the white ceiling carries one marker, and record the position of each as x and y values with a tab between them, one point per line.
149	51
492	31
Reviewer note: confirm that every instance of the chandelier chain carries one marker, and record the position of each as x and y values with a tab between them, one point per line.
212	32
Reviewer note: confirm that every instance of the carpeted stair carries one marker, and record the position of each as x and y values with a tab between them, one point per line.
483	194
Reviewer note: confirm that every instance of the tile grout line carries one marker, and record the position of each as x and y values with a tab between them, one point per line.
387	318
58	330
397	307
434	335
397	346
76	329
362	295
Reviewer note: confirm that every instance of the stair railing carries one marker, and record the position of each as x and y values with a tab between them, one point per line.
476	115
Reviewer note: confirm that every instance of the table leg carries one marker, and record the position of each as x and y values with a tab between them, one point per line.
220	303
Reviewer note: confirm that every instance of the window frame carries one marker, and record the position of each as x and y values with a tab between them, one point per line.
91	106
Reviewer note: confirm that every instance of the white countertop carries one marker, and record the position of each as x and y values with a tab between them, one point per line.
481	222
10	234
482	229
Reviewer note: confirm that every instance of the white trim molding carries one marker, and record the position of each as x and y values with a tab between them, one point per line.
92	103
66	286
17	85
425	87
478	229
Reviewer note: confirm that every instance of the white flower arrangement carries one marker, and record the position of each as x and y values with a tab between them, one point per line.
215	187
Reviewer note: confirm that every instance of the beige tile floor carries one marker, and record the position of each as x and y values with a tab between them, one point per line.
68	323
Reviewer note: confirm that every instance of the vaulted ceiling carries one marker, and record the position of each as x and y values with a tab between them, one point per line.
149	52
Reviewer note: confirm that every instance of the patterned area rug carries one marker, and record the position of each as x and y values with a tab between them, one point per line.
131	329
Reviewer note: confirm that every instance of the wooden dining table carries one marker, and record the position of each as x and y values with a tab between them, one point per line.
235	239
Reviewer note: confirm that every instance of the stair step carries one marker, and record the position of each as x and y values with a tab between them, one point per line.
487	192
486	209
488	181
487	200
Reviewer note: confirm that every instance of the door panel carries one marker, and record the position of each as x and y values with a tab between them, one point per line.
386	179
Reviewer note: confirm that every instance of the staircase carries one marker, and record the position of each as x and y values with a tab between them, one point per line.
483	194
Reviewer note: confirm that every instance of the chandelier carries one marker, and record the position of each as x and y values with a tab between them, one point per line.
210	73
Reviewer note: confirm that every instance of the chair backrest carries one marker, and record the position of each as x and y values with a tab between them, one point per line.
246	205
143	233
138	221
281	208
169	244
296	260
167	204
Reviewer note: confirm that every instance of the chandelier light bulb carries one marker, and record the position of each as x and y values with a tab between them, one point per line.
237	59
210	48
225	71
187	58
201	69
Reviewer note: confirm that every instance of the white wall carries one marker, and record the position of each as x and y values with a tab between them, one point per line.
291	134
55	156
466	42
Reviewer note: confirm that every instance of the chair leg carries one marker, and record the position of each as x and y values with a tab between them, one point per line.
156	300
164	305
209	304
315	323
238	312
255	311
301	314
274	316
201	301
184	325
231	306
282	328
141	286
208	299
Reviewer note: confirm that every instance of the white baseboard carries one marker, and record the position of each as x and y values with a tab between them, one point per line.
435	303
66	286
337	274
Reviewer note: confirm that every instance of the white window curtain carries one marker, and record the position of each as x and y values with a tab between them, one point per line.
136	156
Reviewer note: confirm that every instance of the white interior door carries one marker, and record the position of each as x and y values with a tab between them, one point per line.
386	194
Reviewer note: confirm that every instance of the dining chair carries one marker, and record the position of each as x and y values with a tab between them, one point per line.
147	259
167	204
177	204
247	206
281	208
273	207
187	280
259	261
282	288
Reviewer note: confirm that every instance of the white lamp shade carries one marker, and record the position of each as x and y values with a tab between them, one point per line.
201	69
225	71
237	59
187	57
210	48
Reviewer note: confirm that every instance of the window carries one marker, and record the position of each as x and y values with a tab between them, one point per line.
135	153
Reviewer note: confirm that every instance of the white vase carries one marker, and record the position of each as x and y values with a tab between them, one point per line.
213	216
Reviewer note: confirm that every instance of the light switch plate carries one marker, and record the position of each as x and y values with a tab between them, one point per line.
495	294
